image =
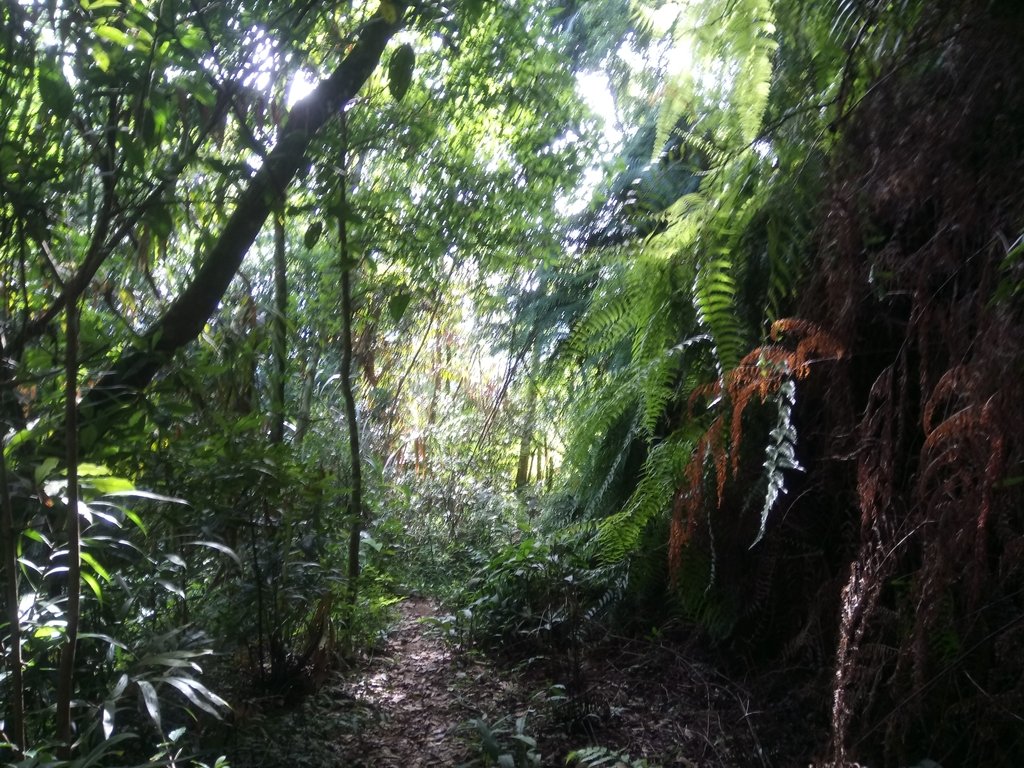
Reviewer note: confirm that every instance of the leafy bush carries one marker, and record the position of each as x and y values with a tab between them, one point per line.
537	594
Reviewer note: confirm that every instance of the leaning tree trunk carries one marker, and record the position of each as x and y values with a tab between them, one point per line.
355	499
188	314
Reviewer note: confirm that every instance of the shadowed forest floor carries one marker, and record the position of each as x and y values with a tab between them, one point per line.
421	703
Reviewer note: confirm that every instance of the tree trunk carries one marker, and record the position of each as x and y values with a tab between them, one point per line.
66	677
355	499
16	700
306	400
279	338
188	314
529	424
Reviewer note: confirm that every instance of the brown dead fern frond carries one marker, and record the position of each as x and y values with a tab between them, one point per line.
758	376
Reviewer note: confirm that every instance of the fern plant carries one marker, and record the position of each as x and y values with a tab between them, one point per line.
678	355
590	757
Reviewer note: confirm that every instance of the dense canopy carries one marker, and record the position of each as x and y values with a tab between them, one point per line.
607	345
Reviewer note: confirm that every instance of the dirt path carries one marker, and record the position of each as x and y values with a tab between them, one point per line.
413	691
405	708
410	707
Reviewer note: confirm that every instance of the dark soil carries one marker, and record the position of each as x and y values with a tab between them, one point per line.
422	703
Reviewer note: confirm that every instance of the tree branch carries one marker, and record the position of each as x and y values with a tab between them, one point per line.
189	313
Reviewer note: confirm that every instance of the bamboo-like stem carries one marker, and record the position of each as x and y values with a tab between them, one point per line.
66	678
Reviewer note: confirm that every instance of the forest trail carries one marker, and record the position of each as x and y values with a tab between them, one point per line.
408	706
411	706
413	690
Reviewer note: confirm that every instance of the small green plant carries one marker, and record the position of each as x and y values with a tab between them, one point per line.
506	744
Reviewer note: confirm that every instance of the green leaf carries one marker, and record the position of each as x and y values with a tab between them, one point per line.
102	749
85	469
198	694
107	485
136	493
400	71
171	587
94	564
178	659
94	585
112	641
472	9
220	548
134	517
160	221
43	470
193	40
398	304
312	235
57	96
113	34
100	56
109	709
150	699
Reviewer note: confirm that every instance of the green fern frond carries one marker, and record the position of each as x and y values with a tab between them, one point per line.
602	756
603	326
658	391
619	533
714	293
612	474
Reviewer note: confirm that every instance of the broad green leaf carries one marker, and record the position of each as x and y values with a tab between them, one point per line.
313	233
17	439
43	470
398	304
102	749
32	533
85	469
95	5
107	485
100	56
151	700
160	221
192	39
136	519
400	69
113	34
56	93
